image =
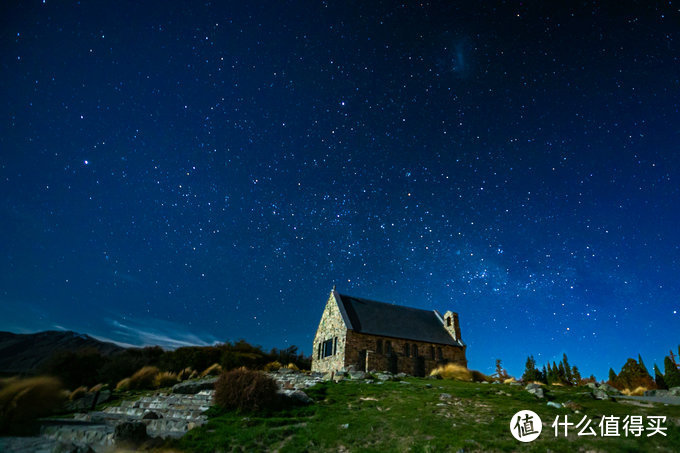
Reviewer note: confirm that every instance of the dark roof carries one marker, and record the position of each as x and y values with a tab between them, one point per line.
389	320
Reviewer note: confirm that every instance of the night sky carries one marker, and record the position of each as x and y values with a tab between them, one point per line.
183	173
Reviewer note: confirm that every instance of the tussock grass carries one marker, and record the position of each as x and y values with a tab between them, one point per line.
292	366
273	366
24	400
77	393
123	385
213	370
165	379
144	378
637	391
245	390
459	373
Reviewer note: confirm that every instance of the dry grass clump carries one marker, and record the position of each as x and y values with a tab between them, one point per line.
245	390
123	385
213	370
144	378
459	373
165	379
637	391
509	380
24	400
185	374
77	393
273	366
96	388
292	366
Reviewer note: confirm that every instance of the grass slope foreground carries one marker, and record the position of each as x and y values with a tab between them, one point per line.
425	415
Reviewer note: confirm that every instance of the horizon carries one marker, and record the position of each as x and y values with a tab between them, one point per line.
185	173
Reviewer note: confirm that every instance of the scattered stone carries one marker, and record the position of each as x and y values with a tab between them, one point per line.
674	391
296	396
535	390
193	387
657	392
572	406
428	386
600	394
357	375
344	426
515	383
150	415
401	375
554	404
130	432
404	382
369	381
433	377
592	385
383	376
286	370
445	396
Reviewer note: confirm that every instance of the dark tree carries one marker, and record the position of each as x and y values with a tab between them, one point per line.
671	375
658	378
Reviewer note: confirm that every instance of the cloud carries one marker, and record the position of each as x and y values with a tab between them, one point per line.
154	332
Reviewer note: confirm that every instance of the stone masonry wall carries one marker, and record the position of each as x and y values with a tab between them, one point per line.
357	344
331	327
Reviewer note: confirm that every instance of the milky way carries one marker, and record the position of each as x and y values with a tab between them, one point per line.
183	173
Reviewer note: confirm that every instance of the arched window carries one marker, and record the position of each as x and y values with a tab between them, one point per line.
414	350
440	353
406	351
432	352
378	346
388	347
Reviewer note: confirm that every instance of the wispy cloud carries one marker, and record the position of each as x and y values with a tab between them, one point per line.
154	332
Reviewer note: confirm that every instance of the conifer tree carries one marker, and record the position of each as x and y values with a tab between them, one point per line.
612	378
544	375
658	378
561	374
671	375
575	375
642	364
567	369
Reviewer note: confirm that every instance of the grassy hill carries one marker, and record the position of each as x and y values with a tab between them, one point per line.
425	415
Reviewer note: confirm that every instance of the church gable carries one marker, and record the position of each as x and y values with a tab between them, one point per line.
330	338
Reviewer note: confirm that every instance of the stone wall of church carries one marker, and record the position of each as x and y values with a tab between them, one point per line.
391	354
331	328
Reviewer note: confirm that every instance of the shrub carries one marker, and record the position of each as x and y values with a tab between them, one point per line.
77	393
24	400
123	385
165	379
96	388
213	370
272	366
245	390
292	366
459	373
144	378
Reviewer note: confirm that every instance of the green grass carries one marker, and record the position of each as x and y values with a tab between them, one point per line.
406	417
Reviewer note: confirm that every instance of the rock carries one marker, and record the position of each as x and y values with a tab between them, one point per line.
130	432
383	376
445	396
404	382
193	387
401	375
592	385
338	377
428	386
369	381
535	390
82	404
554	404
600	394
657	392
572	406
103	396
515	383
286	370
357	375
151	415
344	426
609	389
296	396
72	447
674	391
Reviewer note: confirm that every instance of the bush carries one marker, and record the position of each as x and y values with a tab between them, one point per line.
24	400
292	366
123	385
77	393
245	390
213	370
272	366
144	378
459	373
165	379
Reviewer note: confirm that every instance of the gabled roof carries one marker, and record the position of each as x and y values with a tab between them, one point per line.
389	320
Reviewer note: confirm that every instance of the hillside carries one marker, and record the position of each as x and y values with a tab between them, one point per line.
25	353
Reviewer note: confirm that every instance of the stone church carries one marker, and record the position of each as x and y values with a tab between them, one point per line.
370	335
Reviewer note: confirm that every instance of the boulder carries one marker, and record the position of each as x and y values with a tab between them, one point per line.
674	391
592	385
296	396
150	415
600	394
609	389
357	375
193	387
657	392
445	396
536	390
103	396
554	404
130	433
82	404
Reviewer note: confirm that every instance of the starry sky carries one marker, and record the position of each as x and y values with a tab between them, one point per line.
188	172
